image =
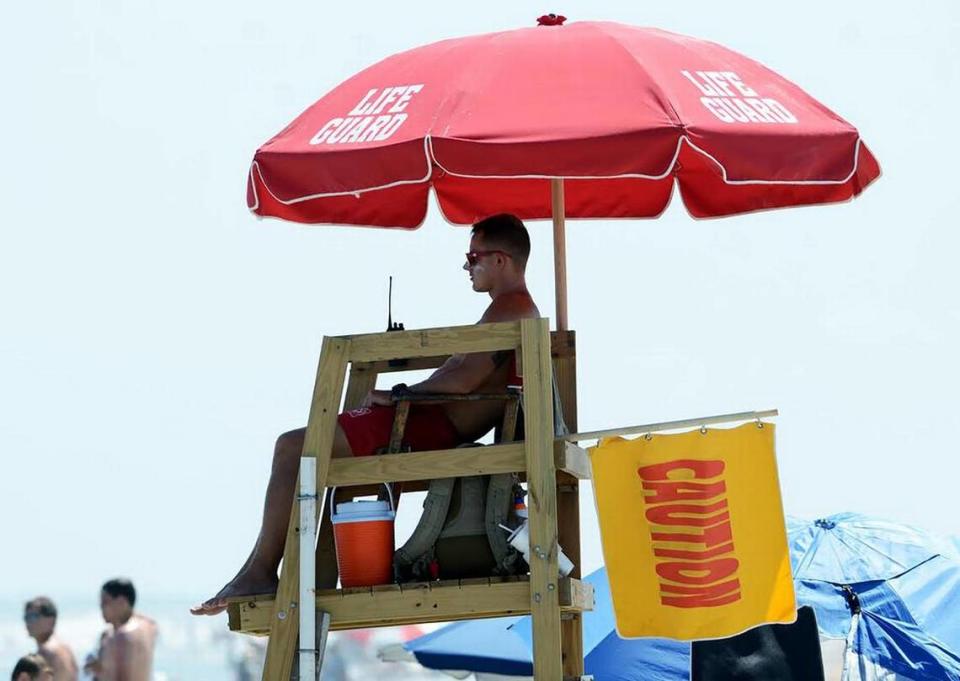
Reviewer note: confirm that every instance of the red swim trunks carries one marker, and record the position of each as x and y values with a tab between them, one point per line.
368	429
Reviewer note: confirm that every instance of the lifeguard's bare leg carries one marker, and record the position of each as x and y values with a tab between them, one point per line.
258	575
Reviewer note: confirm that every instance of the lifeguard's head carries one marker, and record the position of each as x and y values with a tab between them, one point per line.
499	249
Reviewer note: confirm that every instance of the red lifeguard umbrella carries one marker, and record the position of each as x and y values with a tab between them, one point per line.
587	120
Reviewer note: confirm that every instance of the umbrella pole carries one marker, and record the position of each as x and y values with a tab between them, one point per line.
559	251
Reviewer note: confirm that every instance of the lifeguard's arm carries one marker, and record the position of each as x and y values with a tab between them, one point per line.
462	374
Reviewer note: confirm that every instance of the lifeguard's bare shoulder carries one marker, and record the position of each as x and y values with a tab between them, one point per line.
510	307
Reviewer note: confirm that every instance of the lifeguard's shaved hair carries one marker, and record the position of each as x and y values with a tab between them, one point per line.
505	232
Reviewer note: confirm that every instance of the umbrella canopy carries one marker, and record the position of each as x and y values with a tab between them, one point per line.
886	588
620	113
846	548
484	646
908	625
503	646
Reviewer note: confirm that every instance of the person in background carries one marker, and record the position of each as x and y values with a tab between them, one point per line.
128	644
32	668
40	618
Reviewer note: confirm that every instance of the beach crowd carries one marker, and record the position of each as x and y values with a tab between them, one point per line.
125	651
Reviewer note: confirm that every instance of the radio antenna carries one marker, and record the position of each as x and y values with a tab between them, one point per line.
390	325
390	304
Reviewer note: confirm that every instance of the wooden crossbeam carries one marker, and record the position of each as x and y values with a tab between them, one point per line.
375	347
451	463
562	347
393	605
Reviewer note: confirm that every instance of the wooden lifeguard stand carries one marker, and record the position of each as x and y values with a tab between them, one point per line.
552	467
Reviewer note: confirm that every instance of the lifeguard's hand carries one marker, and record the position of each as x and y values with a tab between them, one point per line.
377	397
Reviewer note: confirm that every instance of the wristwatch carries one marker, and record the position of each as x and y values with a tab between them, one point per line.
399	391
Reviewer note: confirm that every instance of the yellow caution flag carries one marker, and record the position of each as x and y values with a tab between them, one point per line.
693	532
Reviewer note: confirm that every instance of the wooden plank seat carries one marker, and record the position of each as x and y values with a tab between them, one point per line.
415	603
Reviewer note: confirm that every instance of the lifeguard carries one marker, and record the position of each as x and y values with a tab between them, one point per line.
496	262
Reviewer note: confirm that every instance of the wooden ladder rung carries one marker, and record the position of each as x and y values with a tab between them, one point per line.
392	605
451	463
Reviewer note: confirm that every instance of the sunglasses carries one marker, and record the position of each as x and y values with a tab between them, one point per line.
473	257
33	616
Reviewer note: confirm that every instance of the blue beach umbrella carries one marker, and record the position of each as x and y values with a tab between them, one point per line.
909	625
849	547
504	645
485	646
892	591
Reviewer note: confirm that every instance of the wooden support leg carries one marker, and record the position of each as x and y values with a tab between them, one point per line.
568	525
542	499
362	380
318	443
568	507
322	630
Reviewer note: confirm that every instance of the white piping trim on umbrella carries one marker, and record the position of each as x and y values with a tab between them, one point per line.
668	171
670	166
853	171
357	192
431	159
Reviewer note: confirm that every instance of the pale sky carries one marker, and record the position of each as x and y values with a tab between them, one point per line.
156	337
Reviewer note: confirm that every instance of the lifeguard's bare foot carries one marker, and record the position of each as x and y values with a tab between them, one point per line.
244	584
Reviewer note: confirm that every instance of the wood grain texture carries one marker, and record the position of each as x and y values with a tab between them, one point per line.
362	379
392	605
318	443
541	498
374	347
509	457
576	465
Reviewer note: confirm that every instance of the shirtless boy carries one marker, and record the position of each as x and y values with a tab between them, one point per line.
40	618
499	248
127	646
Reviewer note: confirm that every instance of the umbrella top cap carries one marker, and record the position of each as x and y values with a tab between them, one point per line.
551	20
825	524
